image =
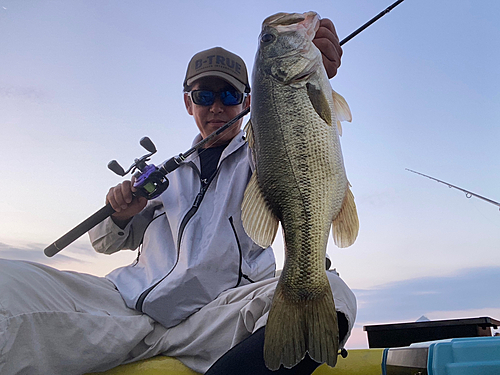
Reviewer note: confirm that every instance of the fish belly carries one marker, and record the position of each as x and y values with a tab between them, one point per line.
300	171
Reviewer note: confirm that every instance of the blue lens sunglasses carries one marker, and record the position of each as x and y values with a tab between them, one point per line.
207	97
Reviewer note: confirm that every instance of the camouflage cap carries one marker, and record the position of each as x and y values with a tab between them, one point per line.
221	63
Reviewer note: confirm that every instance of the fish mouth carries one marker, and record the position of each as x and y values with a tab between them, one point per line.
290	21
297	58
283	19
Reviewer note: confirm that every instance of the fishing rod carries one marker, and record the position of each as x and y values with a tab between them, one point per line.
468	194
370	22
151	181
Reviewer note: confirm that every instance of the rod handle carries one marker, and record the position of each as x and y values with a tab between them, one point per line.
79	230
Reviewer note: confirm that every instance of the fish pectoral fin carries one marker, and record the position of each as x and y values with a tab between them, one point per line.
295	328
319	102
342	110
249	133
345	226
259	221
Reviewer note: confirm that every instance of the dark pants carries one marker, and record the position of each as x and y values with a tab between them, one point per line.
247	358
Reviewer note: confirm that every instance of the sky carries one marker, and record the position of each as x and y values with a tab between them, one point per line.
82	82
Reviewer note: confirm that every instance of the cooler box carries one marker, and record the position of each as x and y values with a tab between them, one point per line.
462	356
405	334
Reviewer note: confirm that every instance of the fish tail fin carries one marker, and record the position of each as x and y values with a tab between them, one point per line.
294	328
346	225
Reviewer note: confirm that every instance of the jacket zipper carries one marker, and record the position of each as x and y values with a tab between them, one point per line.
139	252
185	220
240	272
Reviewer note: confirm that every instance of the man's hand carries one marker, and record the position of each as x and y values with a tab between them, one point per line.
327	41
124	203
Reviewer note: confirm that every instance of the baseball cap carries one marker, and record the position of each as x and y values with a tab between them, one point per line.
220	63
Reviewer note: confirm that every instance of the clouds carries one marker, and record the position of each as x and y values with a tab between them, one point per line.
468	289
79	257
32	94
471	292
34	253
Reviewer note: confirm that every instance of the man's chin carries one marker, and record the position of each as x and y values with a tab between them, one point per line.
215	125
222	139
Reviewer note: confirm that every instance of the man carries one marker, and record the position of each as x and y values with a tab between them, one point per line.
199	286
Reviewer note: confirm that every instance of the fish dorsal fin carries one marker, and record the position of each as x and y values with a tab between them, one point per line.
345	226
341	110
258	220
249	133
319	102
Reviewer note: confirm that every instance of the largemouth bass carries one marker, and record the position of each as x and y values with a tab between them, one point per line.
300	181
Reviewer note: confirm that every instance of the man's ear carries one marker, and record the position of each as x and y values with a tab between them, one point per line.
247	101
188	103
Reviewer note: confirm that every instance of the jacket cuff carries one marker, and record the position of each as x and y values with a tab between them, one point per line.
107	237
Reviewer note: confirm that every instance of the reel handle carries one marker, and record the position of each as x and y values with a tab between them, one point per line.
79	230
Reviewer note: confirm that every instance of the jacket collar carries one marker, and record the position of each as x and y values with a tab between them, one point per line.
237	142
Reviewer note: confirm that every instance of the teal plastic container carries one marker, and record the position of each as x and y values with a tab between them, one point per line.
460	356
465	356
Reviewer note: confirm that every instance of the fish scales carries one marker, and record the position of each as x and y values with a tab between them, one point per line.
300	181
301	190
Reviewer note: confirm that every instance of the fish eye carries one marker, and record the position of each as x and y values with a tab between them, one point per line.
266	38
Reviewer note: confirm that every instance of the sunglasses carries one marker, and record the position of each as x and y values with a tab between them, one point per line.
205	98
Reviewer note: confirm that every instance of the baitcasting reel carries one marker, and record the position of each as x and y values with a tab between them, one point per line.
150	181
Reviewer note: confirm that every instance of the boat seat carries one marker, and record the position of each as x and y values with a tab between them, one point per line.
358	362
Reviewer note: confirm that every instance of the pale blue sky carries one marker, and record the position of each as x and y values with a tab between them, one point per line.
82	81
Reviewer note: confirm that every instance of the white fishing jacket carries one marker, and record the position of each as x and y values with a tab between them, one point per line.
192	245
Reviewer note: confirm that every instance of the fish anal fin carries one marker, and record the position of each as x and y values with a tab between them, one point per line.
259	221
319	102
345	226
296	327
249	133
342	110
